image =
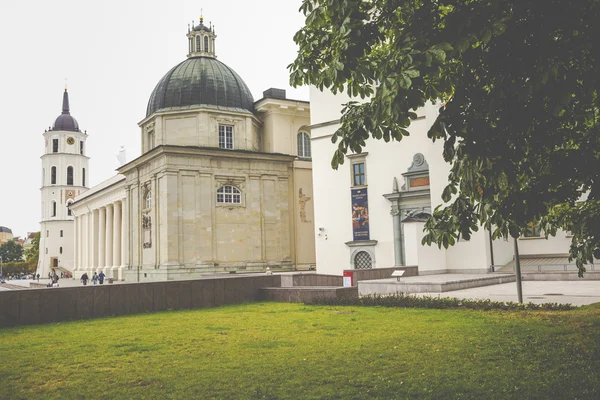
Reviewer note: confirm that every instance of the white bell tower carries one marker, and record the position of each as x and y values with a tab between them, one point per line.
65	174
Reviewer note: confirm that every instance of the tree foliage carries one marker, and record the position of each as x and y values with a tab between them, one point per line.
11	251
32	254
519	84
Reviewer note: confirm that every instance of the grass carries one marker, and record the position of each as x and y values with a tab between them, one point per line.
293	351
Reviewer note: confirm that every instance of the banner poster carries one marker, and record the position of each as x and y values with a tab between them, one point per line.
360	214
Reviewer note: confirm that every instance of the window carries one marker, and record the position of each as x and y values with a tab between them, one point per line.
229	194
206	43
363	260
303	145
53	209
83	177
358	174
61	233
533	230
70	176
47	233
191	45
149	199
53	176
46	250
55	145
198	44
81	147
60	250
226	136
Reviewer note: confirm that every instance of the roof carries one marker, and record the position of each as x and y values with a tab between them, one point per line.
65	121
5	229
201	81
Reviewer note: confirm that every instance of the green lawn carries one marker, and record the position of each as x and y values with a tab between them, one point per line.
275	350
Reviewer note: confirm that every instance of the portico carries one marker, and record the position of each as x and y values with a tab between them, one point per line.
101	230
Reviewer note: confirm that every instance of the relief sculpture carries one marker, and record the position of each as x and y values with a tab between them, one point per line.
302	200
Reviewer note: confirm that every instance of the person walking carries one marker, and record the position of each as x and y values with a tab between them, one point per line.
101	277
38	277
84	279
95	278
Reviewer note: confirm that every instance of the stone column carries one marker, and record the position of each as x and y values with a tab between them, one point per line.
124	234
76	230
101	238
84	242
109	239
116	261
92	244
398	239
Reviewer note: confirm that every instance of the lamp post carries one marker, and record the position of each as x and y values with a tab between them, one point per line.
518	272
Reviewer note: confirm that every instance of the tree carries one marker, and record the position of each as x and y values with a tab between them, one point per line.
519	83
32	254
11	251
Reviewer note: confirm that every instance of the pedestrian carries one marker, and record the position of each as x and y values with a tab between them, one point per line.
38	277
95	278
101	277
84	278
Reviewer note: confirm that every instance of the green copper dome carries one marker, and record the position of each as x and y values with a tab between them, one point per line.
200	81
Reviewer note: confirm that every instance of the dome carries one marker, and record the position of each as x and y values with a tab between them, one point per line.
65	122
201	81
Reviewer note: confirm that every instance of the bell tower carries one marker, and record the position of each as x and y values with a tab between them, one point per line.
201	40
65	174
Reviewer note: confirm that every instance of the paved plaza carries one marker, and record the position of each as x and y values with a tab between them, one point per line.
578	293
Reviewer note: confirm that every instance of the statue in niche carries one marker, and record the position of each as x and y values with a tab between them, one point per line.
302	200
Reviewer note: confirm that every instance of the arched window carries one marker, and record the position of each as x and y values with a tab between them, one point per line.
69	212
53	209
53	176
69	175
206	43
198	43
149	199
304	145
229	194
363	260
83	177
191	45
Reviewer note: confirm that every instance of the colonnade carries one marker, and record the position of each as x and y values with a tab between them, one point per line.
101	240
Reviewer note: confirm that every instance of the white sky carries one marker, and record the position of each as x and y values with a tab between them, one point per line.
113	54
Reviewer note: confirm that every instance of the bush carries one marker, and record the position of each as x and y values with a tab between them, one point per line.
18	268
408	301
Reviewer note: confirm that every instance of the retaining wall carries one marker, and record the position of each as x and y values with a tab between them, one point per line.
36	306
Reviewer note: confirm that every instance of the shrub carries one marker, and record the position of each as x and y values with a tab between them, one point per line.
18	268
408	301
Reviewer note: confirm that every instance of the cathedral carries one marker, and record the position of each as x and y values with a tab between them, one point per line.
224	183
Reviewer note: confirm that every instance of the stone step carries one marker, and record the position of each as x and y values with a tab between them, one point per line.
431	283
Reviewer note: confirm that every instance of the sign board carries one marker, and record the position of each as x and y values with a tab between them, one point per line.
360	214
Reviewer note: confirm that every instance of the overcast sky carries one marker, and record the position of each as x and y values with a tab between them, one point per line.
113	54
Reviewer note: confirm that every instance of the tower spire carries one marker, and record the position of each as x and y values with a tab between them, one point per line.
65	107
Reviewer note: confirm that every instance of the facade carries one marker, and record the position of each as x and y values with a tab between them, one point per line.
224	183
5	234
371	212
65	174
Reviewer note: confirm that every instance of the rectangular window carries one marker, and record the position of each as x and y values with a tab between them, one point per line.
226	137
533	230
47	233
358	174
60	250
55	145
81	147
61	233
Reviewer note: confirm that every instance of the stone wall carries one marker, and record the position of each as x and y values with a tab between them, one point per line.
36	306
379	273
305	294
